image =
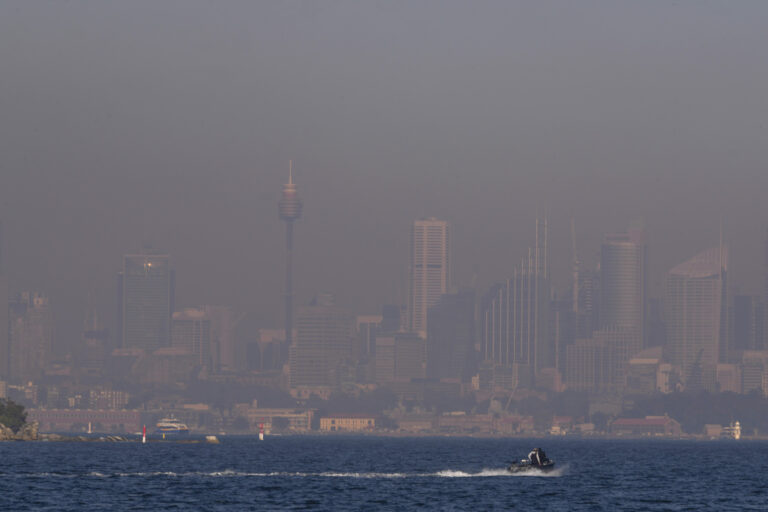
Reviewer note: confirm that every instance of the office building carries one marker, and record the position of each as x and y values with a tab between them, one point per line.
31	336
623	259
5	348
323	343
224	351
400	357
429	270
191	332
695	314
451	337
746	324
515	314
146	301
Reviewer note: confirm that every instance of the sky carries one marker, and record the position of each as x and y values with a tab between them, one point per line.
171	123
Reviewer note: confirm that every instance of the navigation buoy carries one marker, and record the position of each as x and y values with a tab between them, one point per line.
261	431
144	435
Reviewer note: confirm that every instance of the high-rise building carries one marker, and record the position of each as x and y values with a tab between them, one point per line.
31	336
765	292
746	324
324	338
451	337
623	259
623	280
368	326
515	314
429	270
5	348
410	356
588	303
147	301
289	209
695	313
191	331
400	357
94	349
587	366
223	347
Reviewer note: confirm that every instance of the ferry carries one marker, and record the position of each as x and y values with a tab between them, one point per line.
171	426
731	432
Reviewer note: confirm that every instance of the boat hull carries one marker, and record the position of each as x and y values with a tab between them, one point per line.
522	467
172	432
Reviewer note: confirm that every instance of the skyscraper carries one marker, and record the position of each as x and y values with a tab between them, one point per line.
191	331
289	208
429	270
623	295
514	314
451	337
5	349
695	306
147	300
765	292
623	275
31	336
324	338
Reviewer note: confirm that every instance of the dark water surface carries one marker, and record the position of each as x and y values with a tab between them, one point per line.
368	473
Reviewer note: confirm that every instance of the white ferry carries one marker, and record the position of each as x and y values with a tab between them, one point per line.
171	426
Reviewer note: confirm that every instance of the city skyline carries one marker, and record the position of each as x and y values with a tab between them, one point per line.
480	131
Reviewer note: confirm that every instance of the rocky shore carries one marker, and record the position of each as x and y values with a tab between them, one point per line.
26	433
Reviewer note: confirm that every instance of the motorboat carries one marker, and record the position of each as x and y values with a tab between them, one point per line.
526	465
537	461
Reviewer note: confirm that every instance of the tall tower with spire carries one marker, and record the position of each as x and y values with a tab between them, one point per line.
289	208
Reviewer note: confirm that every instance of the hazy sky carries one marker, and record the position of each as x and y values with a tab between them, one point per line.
172	123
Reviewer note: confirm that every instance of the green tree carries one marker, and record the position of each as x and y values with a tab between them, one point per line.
12	415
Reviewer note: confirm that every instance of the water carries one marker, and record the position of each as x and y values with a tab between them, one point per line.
368	473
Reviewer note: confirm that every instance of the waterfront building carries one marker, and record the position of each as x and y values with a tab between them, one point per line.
349	422
77	420
429	270
648	426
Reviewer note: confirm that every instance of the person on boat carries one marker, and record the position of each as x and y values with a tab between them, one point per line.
537	457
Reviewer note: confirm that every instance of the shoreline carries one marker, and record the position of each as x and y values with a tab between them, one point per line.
200	438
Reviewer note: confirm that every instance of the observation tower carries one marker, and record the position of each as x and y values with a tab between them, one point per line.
289	208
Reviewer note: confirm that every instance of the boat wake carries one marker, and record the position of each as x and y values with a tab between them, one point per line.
501	472
228	473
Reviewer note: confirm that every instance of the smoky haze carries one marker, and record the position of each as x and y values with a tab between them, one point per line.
172	123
